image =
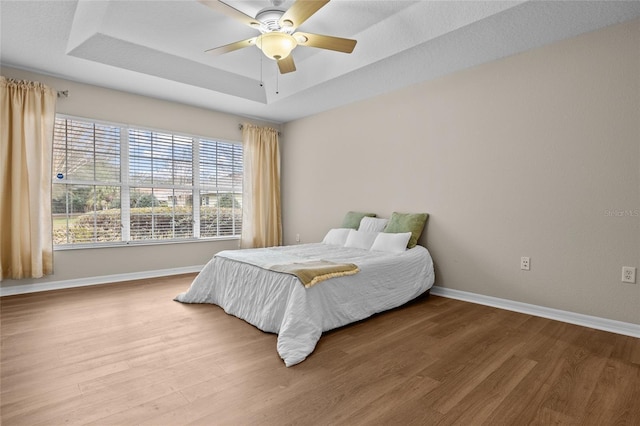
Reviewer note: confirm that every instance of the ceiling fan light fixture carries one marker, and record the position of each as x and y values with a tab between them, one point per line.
276	45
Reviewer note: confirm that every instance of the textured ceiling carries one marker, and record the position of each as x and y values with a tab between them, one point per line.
156	48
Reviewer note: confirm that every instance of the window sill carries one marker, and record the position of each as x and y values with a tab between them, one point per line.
142	243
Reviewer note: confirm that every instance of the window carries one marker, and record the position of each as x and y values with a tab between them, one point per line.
220	177
161	191
86	194
117	184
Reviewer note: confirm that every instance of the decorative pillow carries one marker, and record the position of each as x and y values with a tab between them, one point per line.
337	236
372	224
407	222
352	219
360	239
392	243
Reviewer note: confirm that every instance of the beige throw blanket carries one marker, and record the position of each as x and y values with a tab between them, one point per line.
313	272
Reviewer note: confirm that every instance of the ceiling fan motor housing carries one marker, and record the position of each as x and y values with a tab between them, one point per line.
270	19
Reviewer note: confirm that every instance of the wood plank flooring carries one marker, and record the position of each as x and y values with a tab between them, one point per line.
127	354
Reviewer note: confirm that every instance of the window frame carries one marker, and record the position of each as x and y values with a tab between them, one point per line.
126	185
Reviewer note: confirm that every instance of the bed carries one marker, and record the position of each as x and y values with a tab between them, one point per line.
244	285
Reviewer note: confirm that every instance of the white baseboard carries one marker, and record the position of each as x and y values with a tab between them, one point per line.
618	327
103	279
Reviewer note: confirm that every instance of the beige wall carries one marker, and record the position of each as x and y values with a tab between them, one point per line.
526	156
120	107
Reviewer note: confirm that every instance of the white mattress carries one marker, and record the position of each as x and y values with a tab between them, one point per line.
278	303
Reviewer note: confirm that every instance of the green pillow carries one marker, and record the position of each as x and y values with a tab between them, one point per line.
407	222
352	219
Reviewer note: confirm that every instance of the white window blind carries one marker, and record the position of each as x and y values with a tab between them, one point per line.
221	188
114	183
86	190
161	175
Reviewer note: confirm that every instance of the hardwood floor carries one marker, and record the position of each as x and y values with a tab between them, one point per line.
126	354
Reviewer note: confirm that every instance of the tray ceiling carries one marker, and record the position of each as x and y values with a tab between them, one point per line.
156	48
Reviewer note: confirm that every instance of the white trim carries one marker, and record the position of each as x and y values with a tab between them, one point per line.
195	195
103	279
613	326
140	243
125	189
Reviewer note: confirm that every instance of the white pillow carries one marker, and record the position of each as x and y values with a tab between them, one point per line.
360	239
337	236
390	242
372	224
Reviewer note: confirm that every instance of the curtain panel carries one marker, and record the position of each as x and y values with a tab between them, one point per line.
27	114
261	216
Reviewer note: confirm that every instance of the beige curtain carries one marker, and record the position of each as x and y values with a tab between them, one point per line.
27	114
261	218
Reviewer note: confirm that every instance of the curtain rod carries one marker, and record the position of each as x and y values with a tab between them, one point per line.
241	126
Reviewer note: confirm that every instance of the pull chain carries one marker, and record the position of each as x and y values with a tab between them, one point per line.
261	80
261	70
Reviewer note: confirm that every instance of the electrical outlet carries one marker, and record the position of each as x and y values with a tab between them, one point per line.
297	238
629	274
525	263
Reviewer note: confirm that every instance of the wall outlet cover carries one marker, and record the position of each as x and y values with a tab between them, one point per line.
629	274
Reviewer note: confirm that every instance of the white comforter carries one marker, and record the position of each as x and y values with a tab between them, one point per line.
278	303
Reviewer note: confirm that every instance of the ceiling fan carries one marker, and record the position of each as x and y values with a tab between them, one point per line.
278	31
